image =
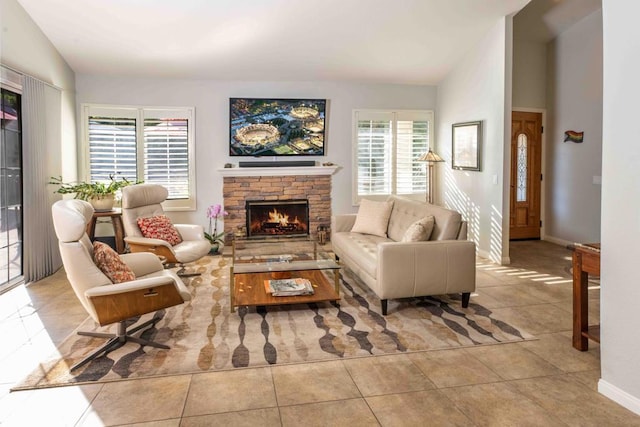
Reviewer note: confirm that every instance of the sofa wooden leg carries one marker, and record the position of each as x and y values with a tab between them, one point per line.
383	303
465	299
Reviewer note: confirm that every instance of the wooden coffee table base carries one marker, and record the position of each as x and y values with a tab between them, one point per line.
248	289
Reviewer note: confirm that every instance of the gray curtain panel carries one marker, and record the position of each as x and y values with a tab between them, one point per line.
41	113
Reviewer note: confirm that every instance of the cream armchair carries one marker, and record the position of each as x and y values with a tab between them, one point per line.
153	289
144	200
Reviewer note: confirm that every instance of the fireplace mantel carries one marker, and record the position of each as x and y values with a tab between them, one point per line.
279	171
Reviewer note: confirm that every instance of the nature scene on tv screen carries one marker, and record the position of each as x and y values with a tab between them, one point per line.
277	127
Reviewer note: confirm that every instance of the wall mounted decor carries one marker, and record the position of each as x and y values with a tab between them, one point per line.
573	136
466	144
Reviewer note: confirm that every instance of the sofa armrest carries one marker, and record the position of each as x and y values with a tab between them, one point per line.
342	222
425	268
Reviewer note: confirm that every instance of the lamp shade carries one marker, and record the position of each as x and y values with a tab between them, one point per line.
430	157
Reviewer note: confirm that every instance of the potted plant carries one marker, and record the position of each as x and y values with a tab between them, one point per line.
101	195
216	239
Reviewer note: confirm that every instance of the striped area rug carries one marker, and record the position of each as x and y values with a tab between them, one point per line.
205	336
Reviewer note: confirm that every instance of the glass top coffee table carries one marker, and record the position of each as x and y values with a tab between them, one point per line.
255	261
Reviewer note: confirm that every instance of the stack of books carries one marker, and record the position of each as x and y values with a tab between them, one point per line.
288	287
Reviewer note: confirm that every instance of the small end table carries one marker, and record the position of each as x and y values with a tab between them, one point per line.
118	229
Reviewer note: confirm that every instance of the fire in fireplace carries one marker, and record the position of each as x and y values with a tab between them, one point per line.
277	217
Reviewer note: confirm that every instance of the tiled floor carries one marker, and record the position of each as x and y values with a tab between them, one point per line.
539	382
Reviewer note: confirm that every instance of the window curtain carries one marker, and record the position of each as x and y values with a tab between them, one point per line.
41	133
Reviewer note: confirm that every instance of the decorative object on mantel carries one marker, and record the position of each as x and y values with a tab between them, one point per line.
430	158
228	165
100	194
216	239
573	136
466	144
328	164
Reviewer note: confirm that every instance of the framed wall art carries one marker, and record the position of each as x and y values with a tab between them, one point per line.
466	146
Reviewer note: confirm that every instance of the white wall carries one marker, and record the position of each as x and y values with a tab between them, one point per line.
211	101
620	292
529	73
475	90
574	102
26	49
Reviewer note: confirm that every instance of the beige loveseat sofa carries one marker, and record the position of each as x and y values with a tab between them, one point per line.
395	268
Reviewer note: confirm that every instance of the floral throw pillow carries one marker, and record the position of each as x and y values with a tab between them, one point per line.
159	227
109	262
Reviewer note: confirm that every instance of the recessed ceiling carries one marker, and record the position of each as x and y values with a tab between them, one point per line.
380	41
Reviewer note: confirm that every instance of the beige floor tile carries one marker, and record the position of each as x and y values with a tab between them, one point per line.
266	417
429	407
588	378
499	404
574	403
350	412
175	422
557	349
386	374
53	406
229	391
513	295
537	319
316	382
512	362
451	368
137	401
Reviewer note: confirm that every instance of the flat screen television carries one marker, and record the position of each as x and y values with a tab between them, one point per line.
260	127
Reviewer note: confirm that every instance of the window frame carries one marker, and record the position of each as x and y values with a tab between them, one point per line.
396	114
139	113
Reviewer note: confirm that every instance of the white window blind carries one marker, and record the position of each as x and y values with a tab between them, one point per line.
153	145
387	144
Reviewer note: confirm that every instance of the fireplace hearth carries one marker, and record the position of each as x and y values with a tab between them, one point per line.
277	218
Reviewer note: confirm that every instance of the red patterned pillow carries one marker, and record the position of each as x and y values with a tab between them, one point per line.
109	262
159	227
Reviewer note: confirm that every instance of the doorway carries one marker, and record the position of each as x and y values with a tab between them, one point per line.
526	177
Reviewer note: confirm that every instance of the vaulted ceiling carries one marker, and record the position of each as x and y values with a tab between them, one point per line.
380	41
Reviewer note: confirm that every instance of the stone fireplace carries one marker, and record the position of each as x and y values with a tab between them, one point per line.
277	184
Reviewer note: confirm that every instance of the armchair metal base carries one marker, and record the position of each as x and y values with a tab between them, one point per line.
119	339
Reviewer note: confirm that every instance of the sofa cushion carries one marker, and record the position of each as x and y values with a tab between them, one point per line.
420	230
373	217
361	249
406	211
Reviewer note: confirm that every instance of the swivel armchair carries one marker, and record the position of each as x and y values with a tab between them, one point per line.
144	201
153	288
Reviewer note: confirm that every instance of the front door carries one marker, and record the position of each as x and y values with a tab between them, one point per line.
526	154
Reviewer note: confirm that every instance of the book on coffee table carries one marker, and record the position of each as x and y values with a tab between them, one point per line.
288	287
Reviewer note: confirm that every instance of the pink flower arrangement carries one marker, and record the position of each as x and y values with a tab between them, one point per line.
213	213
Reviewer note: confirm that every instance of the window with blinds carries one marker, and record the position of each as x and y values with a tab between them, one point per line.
387	145
143	144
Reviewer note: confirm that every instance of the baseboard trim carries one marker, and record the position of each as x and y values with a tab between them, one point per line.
619	396
487	255
557	241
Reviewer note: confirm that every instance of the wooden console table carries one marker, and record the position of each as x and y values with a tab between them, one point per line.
118	229
586	260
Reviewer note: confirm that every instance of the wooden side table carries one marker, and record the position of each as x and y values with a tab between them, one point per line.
586	260
118	229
